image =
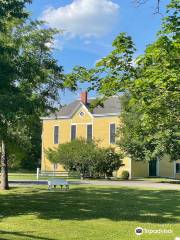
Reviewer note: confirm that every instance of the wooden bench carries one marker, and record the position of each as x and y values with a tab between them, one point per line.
53	182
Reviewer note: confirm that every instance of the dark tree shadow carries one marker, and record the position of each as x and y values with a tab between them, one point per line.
22	234
88	203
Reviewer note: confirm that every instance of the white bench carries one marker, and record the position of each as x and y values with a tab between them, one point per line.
53	182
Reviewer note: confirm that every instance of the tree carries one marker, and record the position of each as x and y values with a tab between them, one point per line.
85	157
140	2
27	156
151	84
10	11
77	155
29	77
107	161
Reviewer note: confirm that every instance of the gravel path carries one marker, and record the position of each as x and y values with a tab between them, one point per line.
133	183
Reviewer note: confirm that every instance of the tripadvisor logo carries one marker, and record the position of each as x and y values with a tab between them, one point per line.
138	231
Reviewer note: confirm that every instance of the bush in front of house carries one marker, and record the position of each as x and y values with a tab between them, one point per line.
86	158
125	175
107	162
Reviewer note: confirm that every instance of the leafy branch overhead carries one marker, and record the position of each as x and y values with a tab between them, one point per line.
30	76
151	84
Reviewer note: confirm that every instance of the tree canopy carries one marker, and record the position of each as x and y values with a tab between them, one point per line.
85	157
30	76
150	84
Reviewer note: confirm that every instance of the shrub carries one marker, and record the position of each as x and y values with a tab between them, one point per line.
86	158
107	162
77	155
125	175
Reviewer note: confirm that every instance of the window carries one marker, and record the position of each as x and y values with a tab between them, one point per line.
112	133
177	167
81	113
89	132
56	134
73	132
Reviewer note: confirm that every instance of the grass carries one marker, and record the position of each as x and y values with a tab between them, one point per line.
88	213
30	176
22	176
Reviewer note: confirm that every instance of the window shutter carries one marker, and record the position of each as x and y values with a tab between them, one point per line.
56	134
89	132
112	133
73	132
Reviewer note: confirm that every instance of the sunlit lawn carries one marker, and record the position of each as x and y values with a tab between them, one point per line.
32	176
88	213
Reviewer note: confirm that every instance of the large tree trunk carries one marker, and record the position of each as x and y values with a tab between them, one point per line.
4	167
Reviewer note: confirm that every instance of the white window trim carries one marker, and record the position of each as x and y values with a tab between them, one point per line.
58	134
73	124
92	130
110	133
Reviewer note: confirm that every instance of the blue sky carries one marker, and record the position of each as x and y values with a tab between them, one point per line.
91	25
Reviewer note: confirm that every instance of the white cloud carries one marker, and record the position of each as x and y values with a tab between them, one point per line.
84	18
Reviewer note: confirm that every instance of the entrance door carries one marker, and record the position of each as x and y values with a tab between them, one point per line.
153	168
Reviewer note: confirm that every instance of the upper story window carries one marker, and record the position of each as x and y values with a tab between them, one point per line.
73	132
112	133
177	167
81	113
89	132
56	134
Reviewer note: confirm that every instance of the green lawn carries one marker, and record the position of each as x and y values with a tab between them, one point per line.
88	213
22	176
31	176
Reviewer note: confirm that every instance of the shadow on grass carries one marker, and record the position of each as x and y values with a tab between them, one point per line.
22	234
172	182
90	203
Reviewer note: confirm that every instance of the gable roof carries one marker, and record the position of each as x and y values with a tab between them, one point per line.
111	107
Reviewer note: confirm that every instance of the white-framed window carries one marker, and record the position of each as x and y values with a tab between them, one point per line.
112	133
73	132
81	113
89	132
177	167
56	135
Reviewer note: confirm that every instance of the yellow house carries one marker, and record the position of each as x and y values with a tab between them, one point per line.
75	120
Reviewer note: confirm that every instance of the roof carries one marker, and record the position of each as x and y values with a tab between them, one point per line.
111	107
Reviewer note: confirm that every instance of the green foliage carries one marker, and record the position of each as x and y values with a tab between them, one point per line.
30	78
107	161
75	155
125	175
85	158
96	102
151	84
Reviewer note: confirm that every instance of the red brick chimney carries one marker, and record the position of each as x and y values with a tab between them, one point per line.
83	97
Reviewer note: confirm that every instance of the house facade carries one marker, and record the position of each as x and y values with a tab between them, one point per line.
76	120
